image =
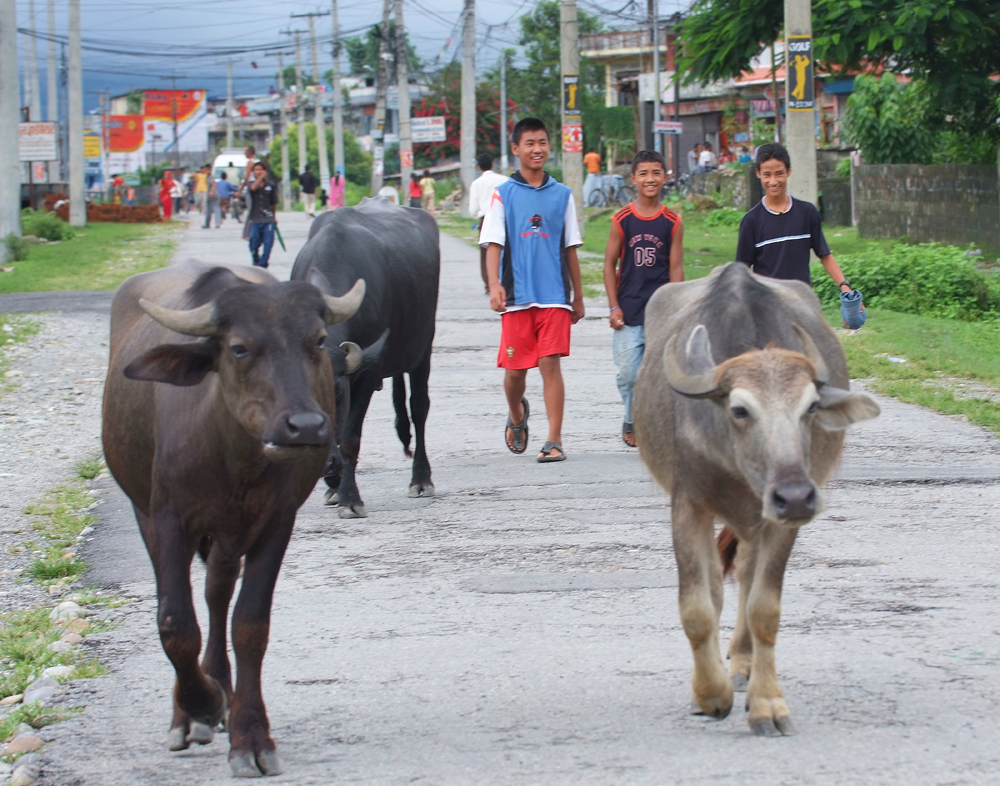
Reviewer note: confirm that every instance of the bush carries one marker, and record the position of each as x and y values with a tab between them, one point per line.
46	225
927	279
724	217
110	212
17	249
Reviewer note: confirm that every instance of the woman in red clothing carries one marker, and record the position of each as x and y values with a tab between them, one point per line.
166	184
414	190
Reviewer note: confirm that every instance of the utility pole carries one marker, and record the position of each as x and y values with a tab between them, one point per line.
403	80
570	46
52	97
77	203
31	58
338	99
468	130
324	164
654	23
300	100
286	175
173	114
504	141
800	101
677	101
229	103
381	86
10	166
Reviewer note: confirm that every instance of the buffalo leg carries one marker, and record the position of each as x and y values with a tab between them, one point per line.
769	714
350	503
741	646
197	697
252	750
420	405
223	571
700	598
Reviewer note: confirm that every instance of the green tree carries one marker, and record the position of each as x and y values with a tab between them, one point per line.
888	121
134	102
289	77
357	163
362	53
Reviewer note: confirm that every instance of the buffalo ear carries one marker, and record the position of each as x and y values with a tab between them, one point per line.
839	408
174	364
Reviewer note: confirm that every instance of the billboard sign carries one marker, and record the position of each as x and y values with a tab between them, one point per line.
799	66
668	127
572	138
428	129
37	142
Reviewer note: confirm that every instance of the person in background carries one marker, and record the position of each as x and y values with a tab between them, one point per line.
117	186
178	192
261	219
413	190
592	181
307	184
188	194
390	193
480	193
201	187
226	191
427	192
166	200
593	162
251	155
706	160
336	191
725	157
213	204
745	157
692	158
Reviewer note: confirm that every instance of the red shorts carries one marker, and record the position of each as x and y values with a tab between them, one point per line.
533	333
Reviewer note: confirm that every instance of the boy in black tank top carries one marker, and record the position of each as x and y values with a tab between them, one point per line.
645	251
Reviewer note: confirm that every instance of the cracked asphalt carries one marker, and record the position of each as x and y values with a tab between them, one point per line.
522	628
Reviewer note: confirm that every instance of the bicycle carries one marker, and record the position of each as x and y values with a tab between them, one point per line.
613	190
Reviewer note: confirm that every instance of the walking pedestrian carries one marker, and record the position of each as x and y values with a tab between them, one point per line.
336	191
226	191
213	204
166	198
251	155
177	193
645	250
532	234
777	234
189	194
427	192
307	184
261	219
413	190
201	187
480	193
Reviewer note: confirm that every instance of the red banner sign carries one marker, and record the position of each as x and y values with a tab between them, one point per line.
168	104
126	133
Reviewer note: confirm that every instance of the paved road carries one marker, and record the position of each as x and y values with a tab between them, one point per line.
521	627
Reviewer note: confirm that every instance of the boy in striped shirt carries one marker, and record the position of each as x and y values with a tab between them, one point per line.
777	233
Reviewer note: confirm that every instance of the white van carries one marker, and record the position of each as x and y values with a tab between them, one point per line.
230	157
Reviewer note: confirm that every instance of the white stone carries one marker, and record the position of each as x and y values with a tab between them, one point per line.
67	610
59	672
15	699
60	646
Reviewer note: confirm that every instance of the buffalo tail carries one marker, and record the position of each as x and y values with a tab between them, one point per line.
402	416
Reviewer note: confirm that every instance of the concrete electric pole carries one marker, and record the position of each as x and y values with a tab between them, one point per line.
800	100
571	117
31	59
381	86
286	177
654	23
468	130
504	136
338	99
77	196
229	103
403	80
10	166
300	103
51	78
324	162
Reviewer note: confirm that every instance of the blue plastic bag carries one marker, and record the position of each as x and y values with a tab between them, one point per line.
850	309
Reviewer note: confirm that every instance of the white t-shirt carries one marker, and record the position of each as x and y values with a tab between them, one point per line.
481	191
705	159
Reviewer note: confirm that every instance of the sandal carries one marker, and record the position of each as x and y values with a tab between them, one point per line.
519	443
547	456
627	428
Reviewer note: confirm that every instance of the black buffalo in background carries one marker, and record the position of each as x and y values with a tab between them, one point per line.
395	249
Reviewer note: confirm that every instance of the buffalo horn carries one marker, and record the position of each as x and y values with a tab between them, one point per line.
340	308
196	322
699	355
352	358
810	350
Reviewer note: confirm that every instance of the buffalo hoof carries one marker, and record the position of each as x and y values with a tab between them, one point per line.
331	498
715	711
778	727
740	683
201	733
356	511
422	490
177	739
248	765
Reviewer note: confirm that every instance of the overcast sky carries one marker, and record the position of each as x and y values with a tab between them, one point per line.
181	37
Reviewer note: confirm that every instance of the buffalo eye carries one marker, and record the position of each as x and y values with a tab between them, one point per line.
321	342
239	351
740	413
813	407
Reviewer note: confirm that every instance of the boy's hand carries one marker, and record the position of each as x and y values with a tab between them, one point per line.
616	319
498	298
578	310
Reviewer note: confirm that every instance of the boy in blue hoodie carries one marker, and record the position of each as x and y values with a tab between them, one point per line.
531	234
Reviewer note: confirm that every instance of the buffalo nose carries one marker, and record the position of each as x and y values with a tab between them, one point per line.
307	428
795	500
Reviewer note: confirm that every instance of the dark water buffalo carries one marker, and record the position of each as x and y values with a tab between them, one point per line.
395	249
740	409
218	460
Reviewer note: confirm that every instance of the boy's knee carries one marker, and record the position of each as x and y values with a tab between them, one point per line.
549	364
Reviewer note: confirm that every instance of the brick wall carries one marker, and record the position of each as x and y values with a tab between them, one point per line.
947	203
835	201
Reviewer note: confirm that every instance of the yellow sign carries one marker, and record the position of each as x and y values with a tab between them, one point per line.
571	94
91	146
801	91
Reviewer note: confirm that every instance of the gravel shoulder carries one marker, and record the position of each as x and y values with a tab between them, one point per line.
522	627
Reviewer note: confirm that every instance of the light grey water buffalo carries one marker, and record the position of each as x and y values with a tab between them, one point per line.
740	409
218	415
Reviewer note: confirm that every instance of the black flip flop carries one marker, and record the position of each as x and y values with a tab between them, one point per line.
627	428
547	457
520	432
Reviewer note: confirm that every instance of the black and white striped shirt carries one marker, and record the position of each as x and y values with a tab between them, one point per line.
777	244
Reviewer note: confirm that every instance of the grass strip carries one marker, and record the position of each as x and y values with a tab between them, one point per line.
14	329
